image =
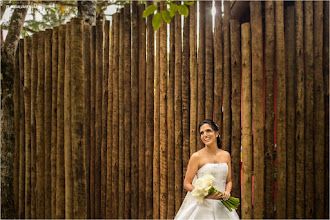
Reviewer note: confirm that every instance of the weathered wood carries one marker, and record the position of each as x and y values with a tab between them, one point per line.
185	101
21	193
290	51
309	95
170	124
163	122
115	119
326	93
280	111
226	130
246	196
27	108
47	122
142	111
121	124
269	109
236	109
17	129
201	70
156	155
193	78
77	121
296	154
178	115
105	73
149	114
34	81
257	107
99	53
109	128
319	110
60	160
87	50
92	154
54	117
218	66
135	112
127	98
68	172
209	76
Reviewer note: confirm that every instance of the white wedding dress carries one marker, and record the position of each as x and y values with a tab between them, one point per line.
210	208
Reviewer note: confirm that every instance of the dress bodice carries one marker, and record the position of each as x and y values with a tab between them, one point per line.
219	171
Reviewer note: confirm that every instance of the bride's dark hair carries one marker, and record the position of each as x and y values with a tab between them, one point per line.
215	128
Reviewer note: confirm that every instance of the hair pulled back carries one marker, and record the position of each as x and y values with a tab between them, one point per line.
215	128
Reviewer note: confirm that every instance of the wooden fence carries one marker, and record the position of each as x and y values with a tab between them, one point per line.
106	116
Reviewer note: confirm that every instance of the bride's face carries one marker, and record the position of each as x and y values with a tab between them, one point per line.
208	135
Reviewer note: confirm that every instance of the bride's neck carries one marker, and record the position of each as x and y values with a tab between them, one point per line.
211	148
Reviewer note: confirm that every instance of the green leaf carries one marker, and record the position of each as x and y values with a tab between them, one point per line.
183	10
188	2
173	9
166	16
157	21
148	11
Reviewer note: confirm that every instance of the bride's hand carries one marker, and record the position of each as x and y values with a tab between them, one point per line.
225	195
217	195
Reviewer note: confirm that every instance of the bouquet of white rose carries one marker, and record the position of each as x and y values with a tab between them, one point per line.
204	186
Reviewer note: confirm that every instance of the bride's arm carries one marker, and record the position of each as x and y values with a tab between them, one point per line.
191	172
229	183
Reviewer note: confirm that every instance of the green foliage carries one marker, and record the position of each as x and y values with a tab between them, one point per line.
168	13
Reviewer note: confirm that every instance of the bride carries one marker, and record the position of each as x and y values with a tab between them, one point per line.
209	160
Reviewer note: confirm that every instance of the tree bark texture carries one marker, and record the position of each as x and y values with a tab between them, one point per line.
87	11
209	76
246	195
257	108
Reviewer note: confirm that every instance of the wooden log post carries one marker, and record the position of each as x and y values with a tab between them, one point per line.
109	128
99	53
48	122
246	195
121	124
291	40
318	110
55	46
156	153
170	124
269	109
77	121
104	150
115	120
21	192
299	95
226	131
257	108
149	113
163	121
17	107
185	101
135	112
27	108
142	111
127	98
326	93
87	50
201	70
68	187
193	77
178	115
218	66
209	75
309	106
236	108
92	124
60	160
280	111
